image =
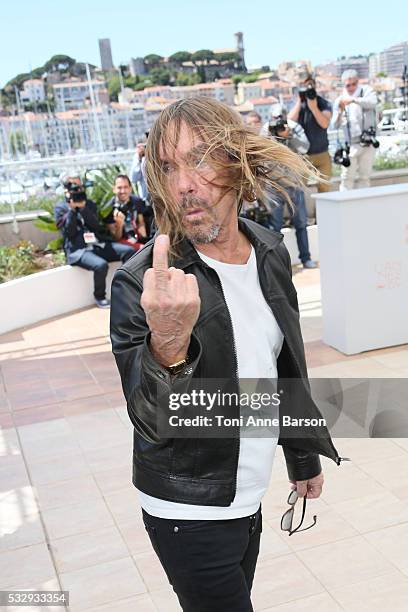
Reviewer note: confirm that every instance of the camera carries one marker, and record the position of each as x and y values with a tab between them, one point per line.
76	193
128	224
368	138
307	92
342	156
258	213
277	124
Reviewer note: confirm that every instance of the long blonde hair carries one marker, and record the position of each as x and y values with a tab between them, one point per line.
254	166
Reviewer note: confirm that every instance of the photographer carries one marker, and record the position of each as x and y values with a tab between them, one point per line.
85	242
293	136
126	221
314	115
355	110
137	176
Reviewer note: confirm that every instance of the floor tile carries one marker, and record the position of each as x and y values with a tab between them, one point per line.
123	504
102	584
277	579
19	531
57	469
140	603
165	600
87	549
322	602
77	518
114	479
386	592
392	544
150	569
76	490
24	566
372	512
344	562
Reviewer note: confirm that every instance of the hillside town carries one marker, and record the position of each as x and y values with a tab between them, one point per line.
68	106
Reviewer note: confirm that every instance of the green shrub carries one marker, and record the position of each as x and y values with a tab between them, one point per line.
17	261
25	258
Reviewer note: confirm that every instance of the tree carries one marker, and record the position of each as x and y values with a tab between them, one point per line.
17	142
182	79
114	87
37	72
59	62
227	56
17	81
160	76
251	78
180	56
153	60
203	55
201	74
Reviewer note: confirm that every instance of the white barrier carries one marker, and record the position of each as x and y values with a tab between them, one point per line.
51	293
363	246
47	294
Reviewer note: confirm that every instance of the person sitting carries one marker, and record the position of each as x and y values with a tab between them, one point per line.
126	220
84	240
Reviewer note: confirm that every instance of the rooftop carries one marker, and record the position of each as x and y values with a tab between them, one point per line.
70	512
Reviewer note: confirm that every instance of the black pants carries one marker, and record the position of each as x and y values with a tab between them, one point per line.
210	564
97	261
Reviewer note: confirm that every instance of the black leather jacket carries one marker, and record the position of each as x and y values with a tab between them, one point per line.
203	470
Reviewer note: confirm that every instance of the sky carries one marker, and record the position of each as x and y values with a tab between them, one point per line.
34	30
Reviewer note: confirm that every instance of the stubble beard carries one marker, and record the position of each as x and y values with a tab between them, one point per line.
200	231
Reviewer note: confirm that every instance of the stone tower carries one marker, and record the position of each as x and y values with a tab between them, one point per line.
240	49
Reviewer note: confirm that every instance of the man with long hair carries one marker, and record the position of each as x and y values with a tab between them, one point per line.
225	309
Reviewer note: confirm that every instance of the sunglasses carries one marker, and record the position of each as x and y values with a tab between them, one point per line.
287	518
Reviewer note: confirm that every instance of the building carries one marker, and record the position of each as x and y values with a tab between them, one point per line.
75	94
119	126
353	63
376	65
105	52
395	58
239	37
263	106
222	90
246	91
137	66
33	91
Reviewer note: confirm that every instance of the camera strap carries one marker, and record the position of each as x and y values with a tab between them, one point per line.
362	111
348	125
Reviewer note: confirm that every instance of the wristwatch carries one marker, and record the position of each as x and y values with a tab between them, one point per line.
176	368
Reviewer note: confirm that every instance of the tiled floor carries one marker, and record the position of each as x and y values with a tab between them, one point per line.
70	517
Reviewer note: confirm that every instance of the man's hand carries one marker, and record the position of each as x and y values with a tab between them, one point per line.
119	217
345	102
171	302
74	205
284	133
312	103
141	149
312	488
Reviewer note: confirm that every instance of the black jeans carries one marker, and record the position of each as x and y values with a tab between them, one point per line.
97	261
210	564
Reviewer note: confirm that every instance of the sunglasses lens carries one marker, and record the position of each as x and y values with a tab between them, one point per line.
287	519
293	497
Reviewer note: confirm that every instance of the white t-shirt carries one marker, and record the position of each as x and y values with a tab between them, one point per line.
258	341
